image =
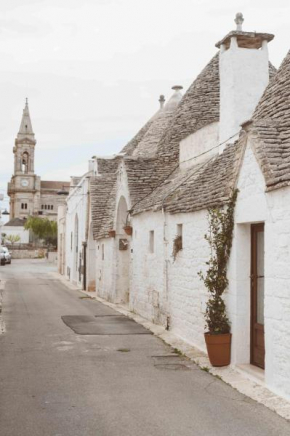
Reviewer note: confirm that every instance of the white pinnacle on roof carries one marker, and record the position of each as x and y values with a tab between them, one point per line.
25	126
239	20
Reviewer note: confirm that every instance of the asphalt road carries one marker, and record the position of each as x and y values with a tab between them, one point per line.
54	382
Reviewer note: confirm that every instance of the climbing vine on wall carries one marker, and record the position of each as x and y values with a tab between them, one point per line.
219	238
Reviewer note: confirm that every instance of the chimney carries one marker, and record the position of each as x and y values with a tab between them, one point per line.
244	75
161	101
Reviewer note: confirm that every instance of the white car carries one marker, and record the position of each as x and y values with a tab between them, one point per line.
7	255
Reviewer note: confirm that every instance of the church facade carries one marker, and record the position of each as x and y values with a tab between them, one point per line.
29	195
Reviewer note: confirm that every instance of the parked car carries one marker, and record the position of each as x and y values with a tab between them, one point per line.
2	256
7	255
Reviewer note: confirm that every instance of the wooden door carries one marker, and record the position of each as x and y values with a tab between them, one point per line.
257	296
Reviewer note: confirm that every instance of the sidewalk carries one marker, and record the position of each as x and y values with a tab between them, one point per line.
243	379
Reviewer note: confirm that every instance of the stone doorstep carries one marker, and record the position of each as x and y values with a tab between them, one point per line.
244	378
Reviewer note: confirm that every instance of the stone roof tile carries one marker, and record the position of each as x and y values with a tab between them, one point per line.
205	185
271	129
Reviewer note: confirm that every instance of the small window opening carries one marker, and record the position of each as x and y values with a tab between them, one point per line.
151	241
179	232
103	252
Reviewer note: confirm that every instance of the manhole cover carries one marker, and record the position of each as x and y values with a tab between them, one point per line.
172	366
173	362
103	325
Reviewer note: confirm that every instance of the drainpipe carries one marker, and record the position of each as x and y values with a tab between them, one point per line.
85	243
85	265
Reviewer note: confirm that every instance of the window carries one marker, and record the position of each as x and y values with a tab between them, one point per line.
48	207
23	205
51	207
24	162
179	234
45	207
42	207
151	241
103	252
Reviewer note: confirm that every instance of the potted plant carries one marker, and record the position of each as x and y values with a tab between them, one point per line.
128	230
112	233
218	335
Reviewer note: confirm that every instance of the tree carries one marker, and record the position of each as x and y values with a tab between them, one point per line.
3	237
43	228
13	239
219	237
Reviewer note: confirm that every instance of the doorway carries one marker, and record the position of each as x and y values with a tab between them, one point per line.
257	296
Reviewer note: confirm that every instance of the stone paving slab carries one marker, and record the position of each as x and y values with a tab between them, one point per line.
104	325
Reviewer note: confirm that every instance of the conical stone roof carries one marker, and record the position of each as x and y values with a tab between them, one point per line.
271	125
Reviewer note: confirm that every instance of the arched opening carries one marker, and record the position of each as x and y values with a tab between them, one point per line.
25	162
91	265
123	254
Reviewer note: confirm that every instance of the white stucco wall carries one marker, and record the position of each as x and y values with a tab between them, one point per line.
244	75
165	290
113	266
17	230
147	292
182	297
273	208
105	263
61	239
199	142
77	209
171	293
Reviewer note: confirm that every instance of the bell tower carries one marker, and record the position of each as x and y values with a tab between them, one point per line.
24	145
24	188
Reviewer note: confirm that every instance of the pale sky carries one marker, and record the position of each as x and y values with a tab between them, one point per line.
93	70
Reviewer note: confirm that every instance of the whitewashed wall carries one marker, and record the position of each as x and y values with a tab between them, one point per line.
273	208
165	290
17	231
113	266
244	75
182	296
105	263
147	293
193	146
61	241
76	207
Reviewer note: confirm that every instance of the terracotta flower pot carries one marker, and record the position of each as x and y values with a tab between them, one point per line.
112	233
218	348
128	230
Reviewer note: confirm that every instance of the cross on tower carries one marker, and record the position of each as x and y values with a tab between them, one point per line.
239	20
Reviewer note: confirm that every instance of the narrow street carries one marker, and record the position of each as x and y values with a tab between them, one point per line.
55	382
